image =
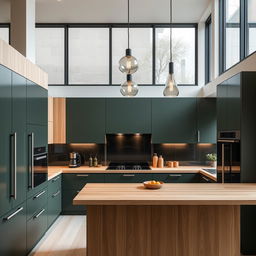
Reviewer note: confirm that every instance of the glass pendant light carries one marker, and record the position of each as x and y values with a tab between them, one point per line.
128	64
129	88
171	88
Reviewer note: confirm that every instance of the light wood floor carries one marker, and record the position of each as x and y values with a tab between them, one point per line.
66	237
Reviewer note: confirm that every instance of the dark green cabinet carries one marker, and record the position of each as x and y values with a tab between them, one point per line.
40	134
174	120
206	120
127	177
128	116
19	128
229	104
85	120
5	132
37	104
54	199
36	227
177	177
13	232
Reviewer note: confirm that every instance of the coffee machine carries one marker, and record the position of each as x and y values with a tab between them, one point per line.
74	160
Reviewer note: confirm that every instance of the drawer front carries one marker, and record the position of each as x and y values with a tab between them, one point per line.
177	177
127	178
67	203
13	232
77	181
204	179
36	227
54	206
54	185
36	202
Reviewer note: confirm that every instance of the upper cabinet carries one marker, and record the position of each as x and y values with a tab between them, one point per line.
229	104
37	104
206	120
128	116
85	120
174	120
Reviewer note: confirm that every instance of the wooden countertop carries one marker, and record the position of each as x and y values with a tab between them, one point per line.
169	194
53	171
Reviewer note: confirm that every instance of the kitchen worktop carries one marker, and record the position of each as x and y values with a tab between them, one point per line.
53	171
169	194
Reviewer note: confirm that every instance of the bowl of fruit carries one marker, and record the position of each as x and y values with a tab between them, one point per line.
152	184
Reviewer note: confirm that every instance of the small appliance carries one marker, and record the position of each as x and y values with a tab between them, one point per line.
74	160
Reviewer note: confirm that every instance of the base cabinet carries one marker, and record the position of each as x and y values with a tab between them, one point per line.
177	177
67	203
13	232
127	178
36	227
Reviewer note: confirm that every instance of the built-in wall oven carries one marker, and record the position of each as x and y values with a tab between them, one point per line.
229	163
38	164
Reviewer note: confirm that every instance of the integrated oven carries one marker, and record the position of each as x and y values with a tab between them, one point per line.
38	165
229	163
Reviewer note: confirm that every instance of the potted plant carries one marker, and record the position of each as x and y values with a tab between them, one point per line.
212	158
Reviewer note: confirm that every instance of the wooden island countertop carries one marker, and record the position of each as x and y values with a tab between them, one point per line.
169	194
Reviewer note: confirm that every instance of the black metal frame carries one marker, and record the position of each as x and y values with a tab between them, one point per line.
207	49
244	33
66	27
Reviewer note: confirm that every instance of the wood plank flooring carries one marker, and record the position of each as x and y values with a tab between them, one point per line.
66	237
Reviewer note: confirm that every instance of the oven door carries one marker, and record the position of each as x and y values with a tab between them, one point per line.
40	170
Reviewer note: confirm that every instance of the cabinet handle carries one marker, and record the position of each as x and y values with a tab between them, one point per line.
40	213
40	157
223	163
13	214
82	175
31	160
38	195
175	175
55	179
205	179
78	191
54	195
198	136
14	165
128	175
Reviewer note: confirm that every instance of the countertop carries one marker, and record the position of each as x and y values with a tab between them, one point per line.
169	194
53	171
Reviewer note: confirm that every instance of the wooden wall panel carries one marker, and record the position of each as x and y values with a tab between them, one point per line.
15	61
59	120
163	230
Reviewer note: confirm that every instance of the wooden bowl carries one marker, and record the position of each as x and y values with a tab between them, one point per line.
148	185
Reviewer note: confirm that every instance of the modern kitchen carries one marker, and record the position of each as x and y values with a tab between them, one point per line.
128	127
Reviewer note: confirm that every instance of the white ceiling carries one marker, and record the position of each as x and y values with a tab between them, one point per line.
112	11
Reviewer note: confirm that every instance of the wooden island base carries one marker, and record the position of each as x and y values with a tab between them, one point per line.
163	230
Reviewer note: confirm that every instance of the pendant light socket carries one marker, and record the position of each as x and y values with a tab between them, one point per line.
171	67
129	77
128	52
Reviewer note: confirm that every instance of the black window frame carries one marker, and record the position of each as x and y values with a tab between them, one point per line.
208	31
66	27
244	34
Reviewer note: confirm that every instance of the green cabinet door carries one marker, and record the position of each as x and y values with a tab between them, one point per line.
174	120
19	127
54	206
40	135
37	104
67	203
177	177
206	120
127	177
85	120
13	232
5	131
128	115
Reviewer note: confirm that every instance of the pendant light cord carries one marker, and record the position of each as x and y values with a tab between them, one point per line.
170	30
128	14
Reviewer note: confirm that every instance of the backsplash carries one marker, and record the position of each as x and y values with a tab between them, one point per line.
59	153
187	154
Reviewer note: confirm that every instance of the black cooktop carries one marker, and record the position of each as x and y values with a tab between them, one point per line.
129	166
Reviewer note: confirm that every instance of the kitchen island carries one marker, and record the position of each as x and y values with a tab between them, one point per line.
177	220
